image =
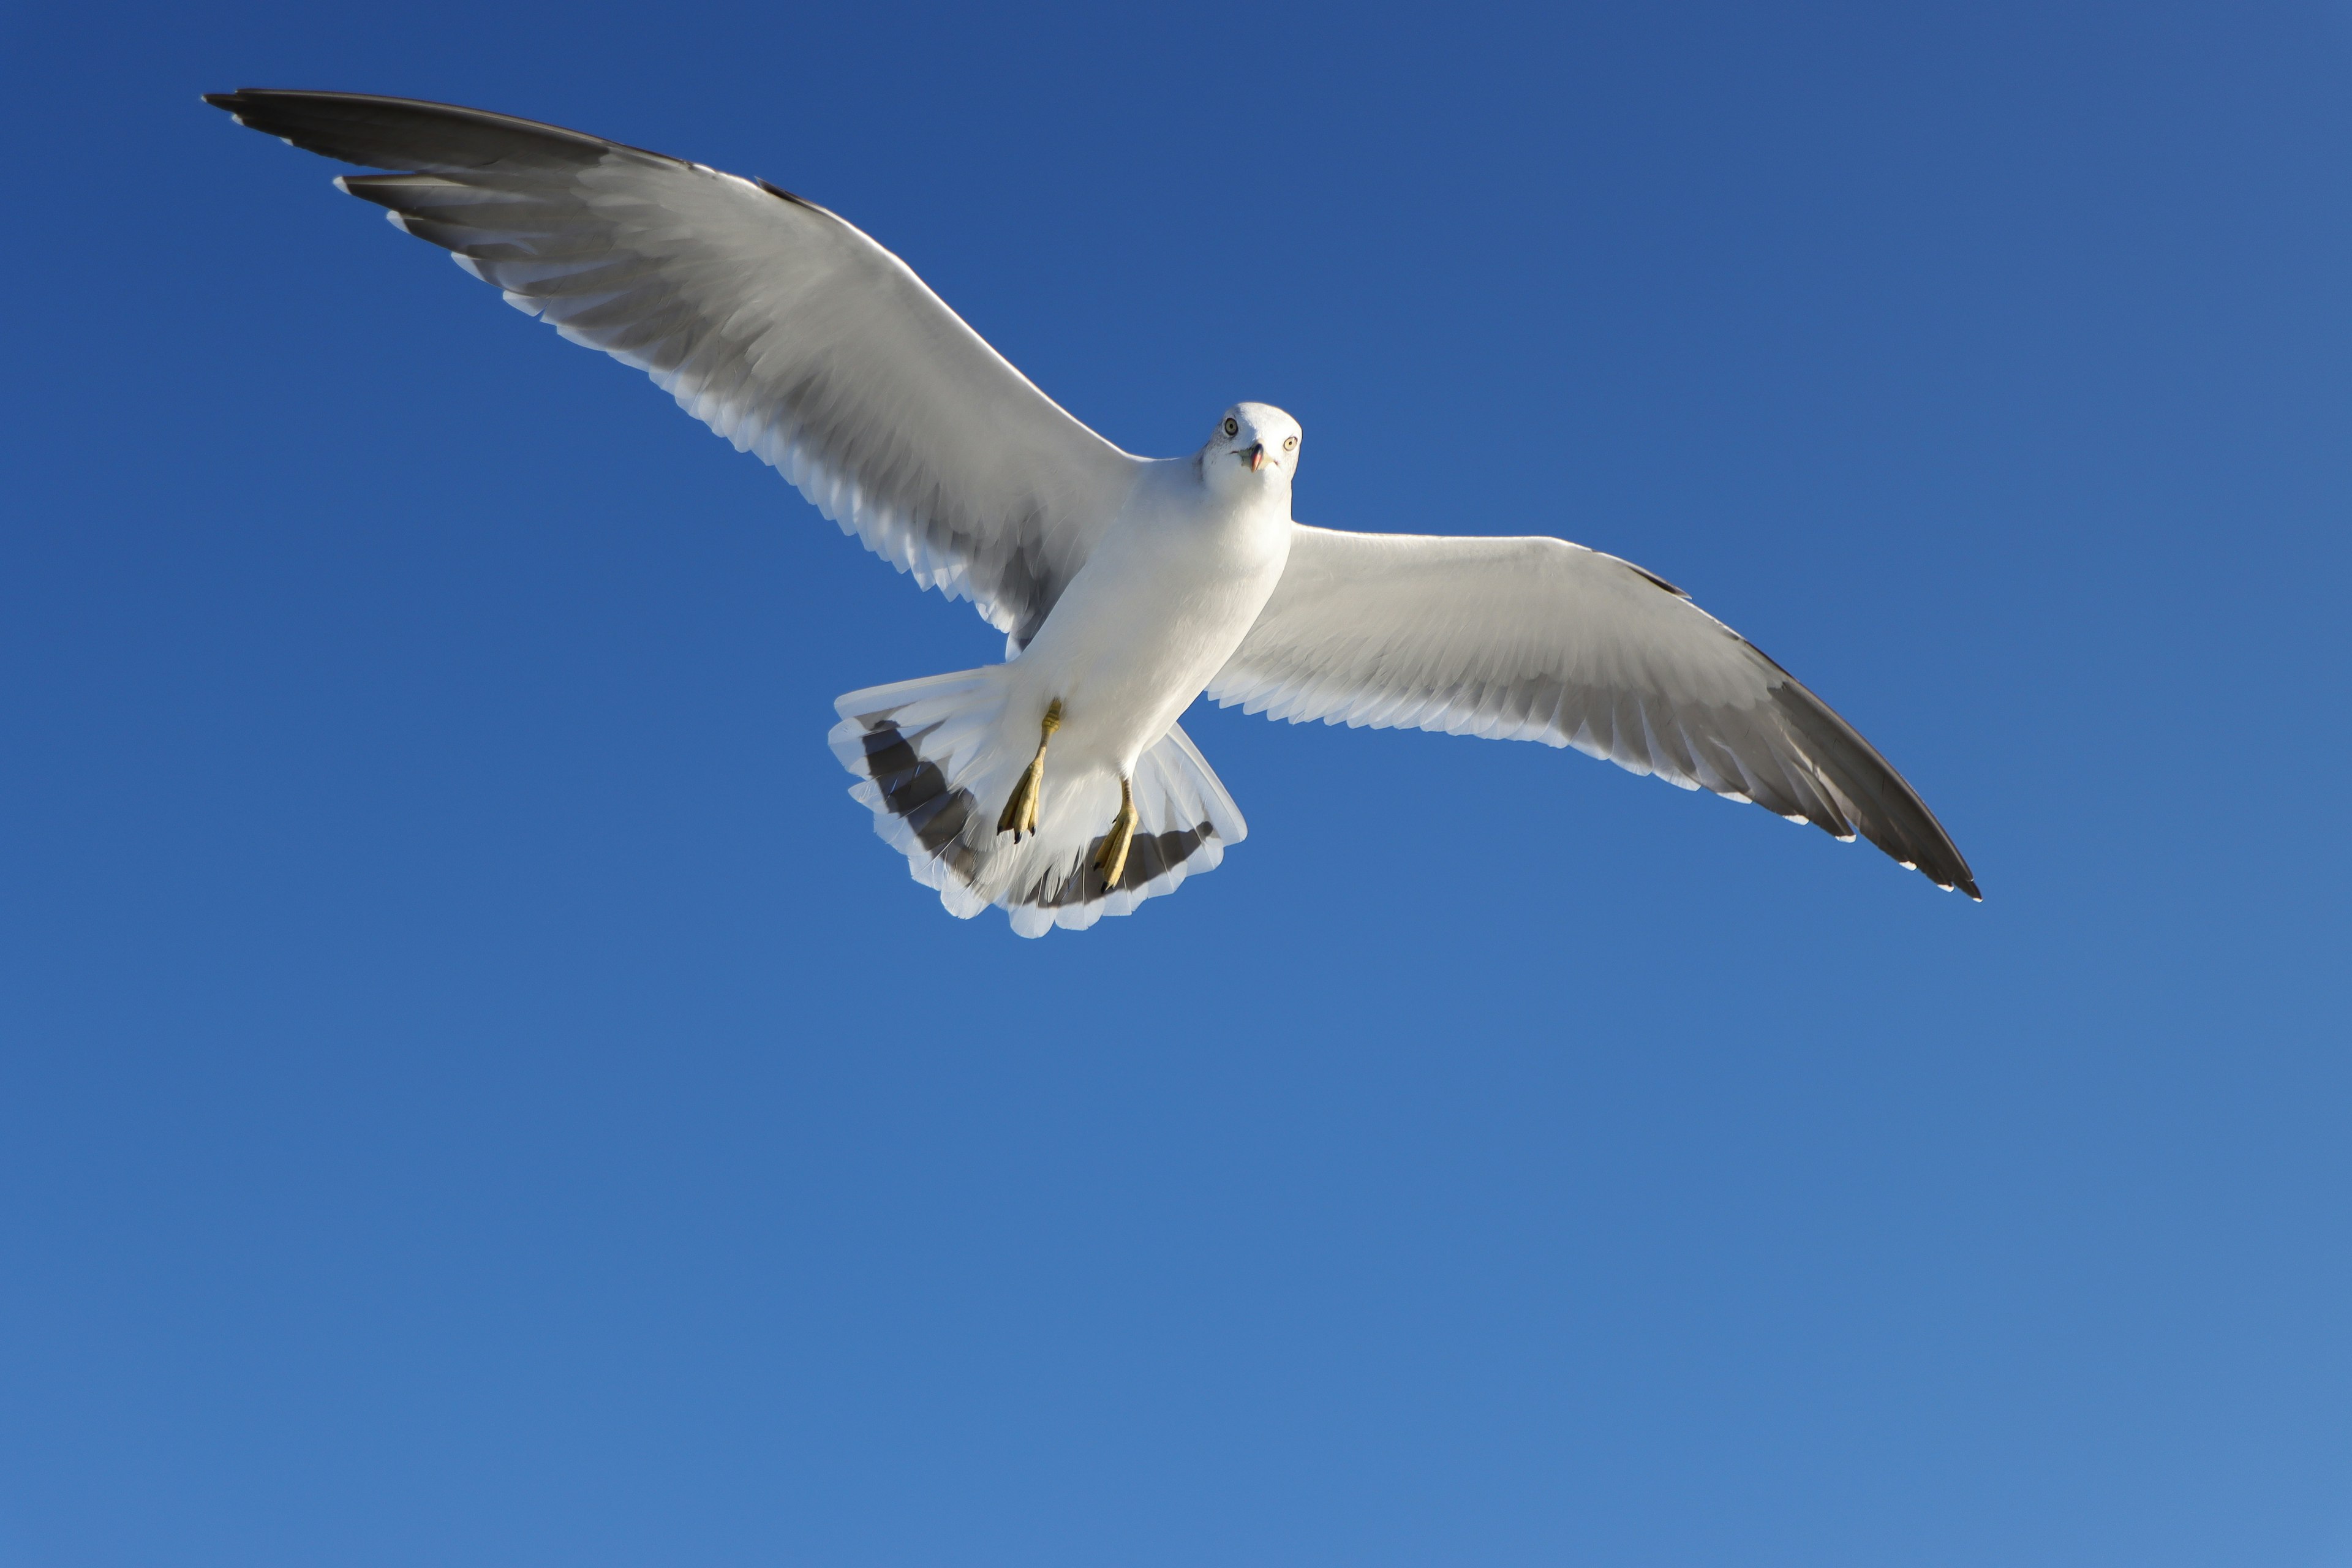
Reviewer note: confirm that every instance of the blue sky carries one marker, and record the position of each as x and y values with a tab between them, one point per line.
474	1090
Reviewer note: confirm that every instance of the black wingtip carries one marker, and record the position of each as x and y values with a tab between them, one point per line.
1892	816
411	134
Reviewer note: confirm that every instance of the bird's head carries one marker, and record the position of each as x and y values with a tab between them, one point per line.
1255	445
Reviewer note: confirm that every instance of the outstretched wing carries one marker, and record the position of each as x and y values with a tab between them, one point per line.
771	320
1539	639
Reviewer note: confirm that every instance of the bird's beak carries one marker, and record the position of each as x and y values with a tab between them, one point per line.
1257	457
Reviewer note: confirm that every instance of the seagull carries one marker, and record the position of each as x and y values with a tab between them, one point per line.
1057	785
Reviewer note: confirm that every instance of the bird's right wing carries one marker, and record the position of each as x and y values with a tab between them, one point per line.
770	319
1539	639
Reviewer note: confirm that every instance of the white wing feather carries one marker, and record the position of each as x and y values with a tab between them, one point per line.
773	321
1539	639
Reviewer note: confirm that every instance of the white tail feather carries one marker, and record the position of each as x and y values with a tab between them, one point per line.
935	764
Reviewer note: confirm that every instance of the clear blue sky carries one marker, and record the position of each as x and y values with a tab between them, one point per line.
475	1090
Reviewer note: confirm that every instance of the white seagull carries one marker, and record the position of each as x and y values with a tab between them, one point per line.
1057	785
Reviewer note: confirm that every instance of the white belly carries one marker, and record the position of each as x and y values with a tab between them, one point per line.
1160	605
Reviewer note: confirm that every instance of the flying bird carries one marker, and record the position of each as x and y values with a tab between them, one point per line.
1058	785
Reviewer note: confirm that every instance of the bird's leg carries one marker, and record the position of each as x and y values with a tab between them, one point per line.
1019	814
1111	859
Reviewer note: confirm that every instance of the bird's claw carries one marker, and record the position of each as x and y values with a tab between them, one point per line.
1110	858
1019	816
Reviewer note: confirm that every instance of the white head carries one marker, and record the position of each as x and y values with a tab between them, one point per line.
1255	444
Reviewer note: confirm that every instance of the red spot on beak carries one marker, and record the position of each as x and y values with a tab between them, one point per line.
1257	457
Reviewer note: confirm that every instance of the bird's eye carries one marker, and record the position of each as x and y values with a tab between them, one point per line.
1290	443
1232	427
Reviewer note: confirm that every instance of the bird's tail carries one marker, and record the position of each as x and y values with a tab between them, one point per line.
935	761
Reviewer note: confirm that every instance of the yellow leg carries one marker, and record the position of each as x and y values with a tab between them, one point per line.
1019	814
1111	859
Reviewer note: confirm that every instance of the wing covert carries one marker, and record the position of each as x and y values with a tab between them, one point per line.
1539	639
773	321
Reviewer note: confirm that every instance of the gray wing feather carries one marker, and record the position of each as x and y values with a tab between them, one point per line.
773	321
1539	639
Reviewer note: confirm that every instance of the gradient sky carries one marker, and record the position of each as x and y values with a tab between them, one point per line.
473	1089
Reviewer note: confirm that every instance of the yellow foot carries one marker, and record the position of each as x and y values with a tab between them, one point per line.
1111	859
1019	814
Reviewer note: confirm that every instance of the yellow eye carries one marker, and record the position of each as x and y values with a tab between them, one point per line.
1232	427
1290	443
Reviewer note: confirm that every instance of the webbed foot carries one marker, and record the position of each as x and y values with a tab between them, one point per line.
1019	816
1110	859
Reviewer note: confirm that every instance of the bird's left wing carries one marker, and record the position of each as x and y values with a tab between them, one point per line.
1539	639
770	319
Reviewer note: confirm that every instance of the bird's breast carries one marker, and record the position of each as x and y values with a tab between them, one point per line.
1161	603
